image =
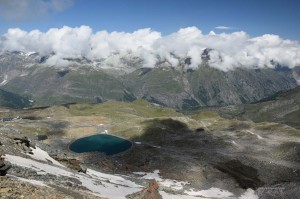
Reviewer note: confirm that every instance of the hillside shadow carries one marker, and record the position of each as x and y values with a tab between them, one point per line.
57	128
246	176
168	139
163	132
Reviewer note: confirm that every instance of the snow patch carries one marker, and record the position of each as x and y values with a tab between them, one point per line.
166	195
40	154
23	74
212	192
258	136
249	194
116	186
29	53
5	80
115	179
173	184
156	147
103	185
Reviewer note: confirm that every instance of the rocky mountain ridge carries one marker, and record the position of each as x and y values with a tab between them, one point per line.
123	79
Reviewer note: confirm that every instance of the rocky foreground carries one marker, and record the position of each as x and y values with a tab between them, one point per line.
196	156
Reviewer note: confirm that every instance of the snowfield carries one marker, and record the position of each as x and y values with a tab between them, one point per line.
173	184
5	80
39	154
113	186
104	185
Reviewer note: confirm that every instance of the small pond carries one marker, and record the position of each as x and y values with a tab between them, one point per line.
107	144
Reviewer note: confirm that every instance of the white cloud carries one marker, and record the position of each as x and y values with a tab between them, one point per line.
228	50
20	10
224	28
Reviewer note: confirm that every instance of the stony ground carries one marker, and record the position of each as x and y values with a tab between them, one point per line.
14	188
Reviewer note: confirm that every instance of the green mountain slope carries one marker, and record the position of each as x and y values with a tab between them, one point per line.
165	86
206	86
11	100
284	107
48	86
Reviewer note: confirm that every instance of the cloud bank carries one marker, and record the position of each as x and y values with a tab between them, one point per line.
20	10
227	50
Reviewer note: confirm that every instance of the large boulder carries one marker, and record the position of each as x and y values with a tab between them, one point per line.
4	166
150	192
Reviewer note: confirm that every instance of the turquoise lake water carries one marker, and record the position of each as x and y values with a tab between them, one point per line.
107	144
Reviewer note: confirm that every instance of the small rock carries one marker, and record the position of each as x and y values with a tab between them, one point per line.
200	129
69	184
82	169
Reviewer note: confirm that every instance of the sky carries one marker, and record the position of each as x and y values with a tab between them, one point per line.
239	33
256	17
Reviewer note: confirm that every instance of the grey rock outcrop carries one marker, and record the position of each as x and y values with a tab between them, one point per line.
25	141
25	144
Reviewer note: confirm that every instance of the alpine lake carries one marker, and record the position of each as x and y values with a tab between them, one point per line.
108	144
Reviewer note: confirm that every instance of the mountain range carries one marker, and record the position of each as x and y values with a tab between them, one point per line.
122	78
